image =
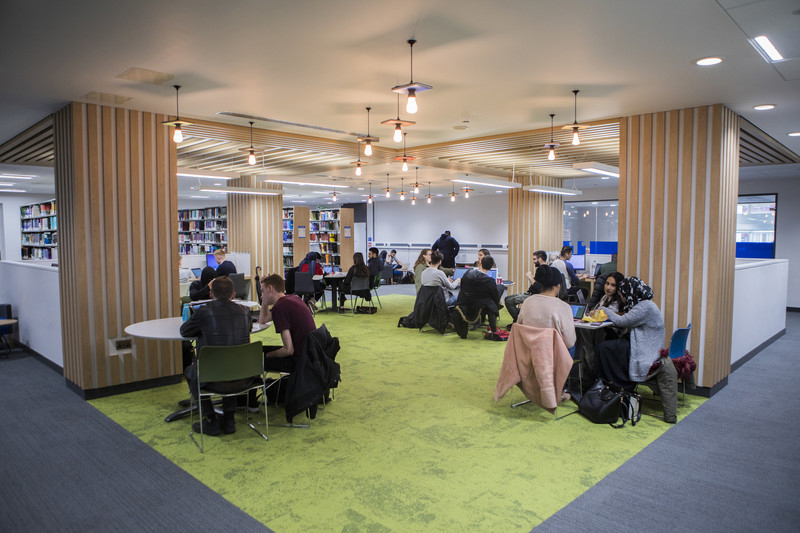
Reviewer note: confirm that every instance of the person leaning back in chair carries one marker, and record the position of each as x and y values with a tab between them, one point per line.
218	323
291	319
514	301
479	291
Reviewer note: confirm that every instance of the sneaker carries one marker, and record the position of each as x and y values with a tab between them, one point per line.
312	303
253	408
212	429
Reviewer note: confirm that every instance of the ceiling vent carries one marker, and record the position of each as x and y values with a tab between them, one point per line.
143	75
105	98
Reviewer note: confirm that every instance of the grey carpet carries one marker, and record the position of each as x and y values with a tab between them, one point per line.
732	465
64	466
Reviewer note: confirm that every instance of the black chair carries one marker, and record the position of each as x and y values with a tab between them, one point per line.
360	284
304	287
388	273
241	288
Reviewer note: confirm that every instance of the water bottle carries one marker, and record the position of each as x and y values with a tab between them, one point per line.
185	315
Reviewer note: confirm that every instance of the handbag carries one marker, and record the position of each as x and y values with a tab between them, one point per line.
601	404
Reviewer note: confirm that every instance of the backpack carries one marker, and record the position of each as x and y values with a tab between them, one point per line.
606	404
498	335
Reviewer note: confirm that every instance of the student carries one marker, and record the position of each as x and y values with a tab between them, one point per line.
433	277
449	248
607	268
627	362
545	310
423	262
481	254
312	263
514	301
290	318
375	267
359	269
199	289
224	267
217	323
611	297
184	274
479	291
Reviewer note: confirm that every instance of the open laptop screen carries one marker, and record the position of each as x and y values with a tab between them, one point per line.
577	311
460	271
197	272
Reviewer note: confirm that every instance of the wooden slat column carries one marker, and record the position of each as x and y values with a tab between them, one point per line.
255	226
535	222
116	188
678	193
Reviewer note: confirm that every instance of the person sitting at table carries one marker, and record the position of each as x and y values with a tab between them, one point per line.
359	269
375	267
479	294
514	301
198	289
545	310
184	274
224	267
290	318
611	297
481	254
607	268
217	323
422	262
626	362
391	259
311	263
433	277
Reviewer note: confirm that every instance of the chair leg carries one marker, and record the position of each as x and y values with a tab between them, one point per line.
515	405
378	297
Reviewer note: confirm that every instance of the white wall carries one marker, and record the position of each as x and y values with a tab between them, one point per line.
10	246
787	236
32	291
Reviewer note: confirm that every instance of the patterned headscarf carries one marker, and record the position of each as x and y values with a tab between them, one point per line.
634	290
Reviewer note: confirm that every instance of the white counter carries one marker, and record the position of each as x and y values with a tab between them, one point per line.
32	290
759	303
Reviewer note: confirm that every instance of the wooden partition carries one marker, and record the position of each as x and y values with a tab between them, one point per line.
116	188
255	226
678	193
535	222
347	242
301	217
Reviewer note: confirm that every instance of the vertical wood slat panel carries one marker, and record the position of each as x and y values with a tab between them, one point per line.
622	205
693	232
97	189
255	225
150	236
633	211
646	210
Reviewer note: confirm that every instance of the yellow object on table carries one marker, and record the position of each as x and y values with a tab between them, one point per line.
596	316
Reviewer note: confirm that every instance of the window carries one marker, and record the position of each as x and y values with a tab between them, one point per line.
755	226
591	228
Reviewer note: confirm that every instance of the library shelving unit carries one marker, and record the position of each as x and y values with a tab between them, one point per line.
295	235
202	231
39	226
331	234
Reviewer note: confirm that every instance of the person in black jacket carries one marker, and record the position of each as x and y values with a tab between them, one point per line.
360	270
479	291
375	267
217	323
224	267
198	289
449	248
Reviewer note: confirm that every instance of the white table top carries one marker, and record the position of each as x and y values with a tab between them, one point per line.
169	329
592	325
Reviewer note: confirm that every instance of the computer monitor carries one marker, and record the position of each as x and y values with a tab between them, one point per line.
578	262
211	261
459	271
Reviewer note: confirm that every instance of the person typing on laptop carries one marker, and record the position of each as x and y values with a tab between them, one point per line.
545	310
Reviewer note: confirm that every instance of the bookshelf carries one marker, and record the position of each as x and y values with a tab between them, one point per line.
295	235
331	234
203	230
39	225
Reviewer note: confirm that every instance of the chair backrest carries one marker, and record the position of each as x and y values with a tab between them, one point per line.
303	283
229	363
677	344
359	283
376	281
240	287
388	272
562	291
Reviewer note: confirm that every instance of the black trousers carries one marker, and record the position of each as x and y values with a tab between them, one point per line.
222	387
277	364
612	358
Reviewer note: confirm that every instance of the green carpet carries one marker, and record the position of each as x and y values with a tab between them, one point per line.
413	440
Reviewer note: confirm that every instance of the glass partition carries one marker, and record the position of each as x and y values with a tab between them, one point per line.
755	226
591	229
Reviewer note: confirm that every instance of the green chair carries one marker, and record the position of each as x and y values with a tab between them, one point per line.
376	282
229	363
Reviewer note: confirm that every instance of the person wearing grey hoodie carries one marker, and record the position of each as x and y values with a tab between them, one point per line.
627	362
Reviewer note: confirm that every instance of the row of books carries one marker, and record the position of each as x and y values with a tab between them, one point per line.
202	225
197	249
325	215
201	237
322	237
40	224
39	253
39	239
38	210
208	212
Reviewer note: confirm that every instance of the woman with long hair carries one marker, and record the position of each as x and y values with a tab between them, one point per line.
423	262
359	270
611	297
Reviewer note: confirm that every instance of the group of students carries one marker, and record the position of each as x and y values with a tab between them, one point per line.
371	269
200	288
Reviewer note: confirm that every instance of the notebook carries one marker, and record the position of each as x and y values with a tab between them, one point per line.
577	311
196	272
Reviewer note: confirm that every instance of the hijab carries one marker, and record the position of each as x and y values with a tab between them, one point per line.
207	275
634	291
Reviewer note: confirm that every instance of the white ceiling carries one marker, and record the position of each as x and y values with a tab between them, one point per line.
501	66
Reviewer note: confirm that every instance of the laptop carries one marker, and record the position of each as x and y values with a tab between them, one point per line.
196	272
459	271
577	311
492	274
327	269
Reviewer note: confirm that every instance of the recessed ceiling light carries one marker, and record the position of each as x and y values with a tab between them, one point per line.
7	184
16	177
765	46
795	134
764	107
708	61
200	197
12	190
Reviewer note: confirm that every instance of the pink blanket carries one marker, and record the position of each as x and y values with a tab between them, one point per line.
537	361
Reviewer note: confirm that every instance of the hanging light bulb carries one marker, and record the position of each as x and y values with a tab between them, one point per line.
177	136
369	139
405	166
251	151
368	149
398	133
575	127
387	189
552	145
357	163
466	192
576	139
251	159
429	196
358	169
411	105
413	200
452	197
551	154
402	191
369	199
416	180
334	196
398	123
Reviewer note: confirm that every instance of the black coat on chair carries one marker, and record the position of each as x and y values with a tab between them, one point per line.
430	307
316	372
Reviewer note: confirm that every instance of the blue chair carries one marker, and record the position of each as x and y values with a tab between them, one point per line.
677	347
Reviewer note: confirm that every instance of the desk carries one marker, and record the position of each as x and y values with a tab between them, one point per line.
169	329
589	283
3	340
334	281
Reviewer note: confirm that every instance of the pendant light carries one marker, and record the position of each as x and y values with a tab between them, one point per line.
178	135
369	198
453	194
402	192
415	190
251	152
429	196
552	145
404	158
387	189
413	200
412	88
369	139
398	124
358	163
466	191
575	127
